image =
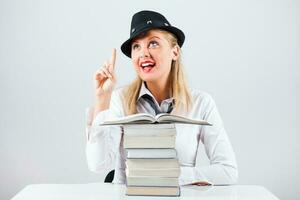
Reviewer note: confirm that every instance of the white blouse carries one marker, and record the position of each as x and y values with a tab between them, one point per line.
104	149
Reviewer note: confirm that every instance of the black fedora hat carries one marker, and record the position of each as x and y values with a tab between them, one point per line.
146	20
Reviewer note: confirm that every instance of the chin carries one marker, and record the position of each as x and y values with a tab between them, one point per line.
148	78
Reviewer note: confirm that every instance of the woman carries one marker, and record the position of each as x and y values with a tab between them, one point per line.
154	48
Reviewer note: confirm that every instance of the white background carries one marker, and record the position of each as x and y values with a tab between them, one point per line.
244	53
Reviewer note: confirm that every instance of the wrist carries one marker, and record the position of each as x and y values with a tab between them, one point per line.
102	102
103	97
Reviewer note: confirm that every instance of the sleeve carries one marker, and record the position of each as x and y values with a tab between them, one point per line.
103	142
223	167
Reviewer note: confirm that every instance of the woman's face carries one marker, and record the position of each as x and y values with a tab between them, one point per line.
152	55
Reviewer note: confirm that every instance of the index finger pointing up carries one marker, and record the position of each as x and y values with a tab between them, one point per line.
113	59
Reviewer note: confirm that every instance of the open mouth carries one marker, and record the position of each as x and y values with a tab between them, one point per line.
147	66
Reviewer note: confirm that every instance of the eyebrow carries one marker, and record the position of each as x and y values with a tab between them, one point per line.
135	41
154	37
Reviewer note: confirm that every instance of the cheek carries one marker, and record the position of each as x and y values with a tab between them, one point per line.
165	59
135	64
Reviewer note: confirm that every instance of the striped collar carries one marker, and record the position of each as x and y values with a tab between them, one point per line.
144	90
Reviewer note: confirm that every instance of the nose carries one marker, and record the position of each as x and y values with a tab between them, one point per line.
144	53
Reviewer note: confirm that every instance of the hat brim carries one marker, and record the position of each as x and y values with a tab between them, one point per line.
126	46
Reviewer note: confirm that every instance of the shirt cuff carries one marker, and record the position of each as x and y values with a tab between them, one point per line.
101	117
189	175
95	131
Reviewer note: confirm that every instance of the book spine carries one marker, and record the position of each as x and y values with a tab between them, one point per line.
149	142
163	173
153	191
151	153
152	163
150	132
151	181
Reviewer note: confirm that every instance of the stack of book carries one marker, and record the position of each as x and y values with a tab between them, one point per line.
152	167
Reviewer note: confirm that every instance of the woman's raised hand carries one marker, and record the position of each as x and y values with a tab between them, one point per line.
105	77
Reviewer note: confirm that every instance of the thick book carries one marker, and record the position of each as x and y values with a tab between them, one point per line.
150	130
151	153
144	118
152	181
153	191
150	126
152	163
149	142
165	172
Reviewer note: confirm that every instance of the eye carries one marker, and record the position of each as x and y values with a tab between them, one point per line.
135	46
153	44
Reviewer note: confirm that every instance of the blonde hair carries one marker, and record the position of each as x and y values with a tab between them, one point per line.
177	82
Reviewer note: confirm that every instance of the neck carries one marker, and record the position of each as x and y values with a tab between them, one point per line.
160	91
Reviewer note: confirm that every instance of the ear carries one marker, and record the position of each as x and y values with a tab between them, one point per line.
175	52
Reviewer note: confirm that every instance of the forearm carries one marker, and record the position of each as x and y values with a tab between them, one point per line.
102	148
223	168
102	103
96	150
102	142
216	174
96	155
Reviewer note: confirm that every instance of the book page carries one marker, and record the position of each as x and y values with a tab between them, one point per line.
168	118
138	118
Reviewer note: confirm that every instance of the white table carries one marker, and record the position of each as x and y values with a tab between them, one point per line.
106	191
